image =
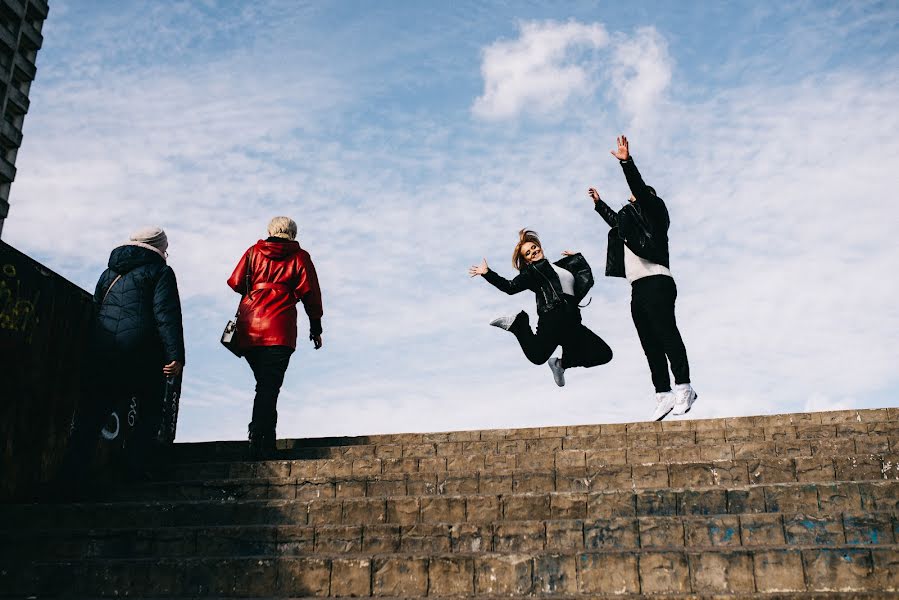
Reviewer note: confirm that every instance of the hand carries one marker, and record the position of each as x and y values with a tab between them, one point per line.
173	369
623	152
316	340
569	253
594	194
480	269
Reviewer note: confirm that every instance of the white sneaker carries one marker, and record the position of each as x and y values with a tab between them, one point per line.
686	396
505	322
555	365
664	404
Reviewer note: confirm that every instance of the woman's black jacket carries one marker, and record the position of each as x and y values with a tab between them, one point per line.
642	225
541	278
140	318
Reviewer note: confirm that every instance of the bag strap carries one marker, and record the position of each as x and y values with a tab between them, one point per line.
114	281
247	279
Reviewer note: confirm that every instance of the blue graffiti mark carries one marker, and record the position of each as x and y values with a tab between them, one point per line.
728	534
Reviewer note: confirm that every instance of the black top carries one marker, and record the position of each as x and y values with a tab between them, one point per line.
542	279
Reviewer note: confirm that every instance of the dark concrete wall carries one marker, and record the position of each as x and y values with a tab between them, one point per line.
44	322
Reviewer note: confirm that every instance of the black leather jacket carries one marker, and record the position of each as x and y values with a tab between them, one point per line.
541	278
630	225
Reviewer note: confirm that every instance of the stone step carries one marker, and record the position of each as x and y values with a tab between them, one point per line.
846	568
804	426
509	536
492	456
572	476
471	508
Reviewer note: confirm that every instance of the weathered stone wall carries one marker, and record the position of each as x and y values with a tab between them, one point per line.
43	327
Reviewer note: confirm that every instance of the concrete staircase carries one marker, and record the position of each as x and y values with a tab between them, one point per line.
783	506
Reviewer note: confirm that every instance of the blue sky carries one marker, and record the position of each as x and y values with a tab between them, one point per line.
410	139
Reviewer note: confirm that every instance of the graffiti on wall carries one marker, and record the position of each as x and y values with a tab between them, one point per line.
18	312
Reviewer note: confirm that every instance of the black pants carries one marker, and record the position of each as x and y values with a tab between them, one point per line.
652	308
104	393
561	327
269	363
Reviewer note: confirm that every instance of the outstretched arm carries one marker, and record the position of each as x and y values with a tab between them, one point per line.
604	210
519	284
634	179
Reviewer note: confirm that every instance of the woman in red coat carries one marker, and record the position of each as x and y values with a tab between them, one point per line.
273	275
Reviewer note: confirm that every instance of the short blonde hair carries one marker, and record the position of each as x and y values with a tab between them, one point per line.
524	236
283	227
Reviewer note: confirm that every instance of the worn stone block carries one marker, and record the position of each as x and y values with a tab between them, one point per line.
568	506
391	466
467	463
452	448
746	500
568	459
543	445
791	499
510	446
771	470
712	531
642	439
349	488
338	539
608	573
573	480
702	502
778	571
816	468
812	432
612	441
519	536
660	532
381	539
400	576
873	528
495	483
500	462
680	454
527	507
746	450
864	467
364	511
419	450
886	569
839	570
324	512
656	503
839	497
693	475
664	573
350	577
611	533
813	529
425	537
482	509
303	577
832	447
431	464
471	538
611	504
555	574
455	484
650	476
793	448
450	575
871	445
479	447
722	572
533	481
574	431
307	490
639	456
565	535
386	485
443	509
366	466
611	477
503	575
392	451
762	530
403	510
746	434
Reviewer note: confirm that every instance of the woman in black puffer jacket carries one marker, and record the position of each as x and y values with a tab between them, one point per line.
137	340
558	288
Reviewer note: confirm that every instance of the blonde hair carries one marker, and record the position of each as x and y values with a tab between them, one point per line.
524	236
282	227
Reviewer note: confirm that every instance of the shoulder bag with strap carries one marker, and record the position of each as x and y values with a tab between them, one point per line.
229	335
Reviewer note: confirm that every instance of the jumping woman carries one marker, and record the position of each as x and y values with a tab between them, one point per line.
558	287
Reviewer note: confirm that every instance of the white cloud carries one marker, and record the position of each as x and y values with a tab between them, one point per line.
640	73
540	70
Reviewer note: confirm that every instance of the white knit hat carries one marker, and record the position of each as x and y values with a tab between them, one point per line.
152	238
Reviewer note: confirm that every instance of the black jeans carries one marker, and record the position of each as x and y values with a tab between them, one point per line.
103	394
652	308
269	363
561	327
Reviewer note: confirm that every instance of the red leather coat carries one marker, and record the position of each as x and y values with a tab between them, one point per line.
280	275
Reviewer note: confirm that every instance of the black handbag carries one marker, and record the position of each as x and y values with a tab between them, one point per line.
229	335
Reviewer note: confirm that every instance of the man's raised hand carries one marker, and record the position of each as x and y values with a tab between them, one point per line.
594	194
623	152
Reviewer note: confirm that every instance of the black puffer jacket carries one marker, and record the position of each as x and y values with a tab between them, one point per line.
541	278
630	224
140	318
